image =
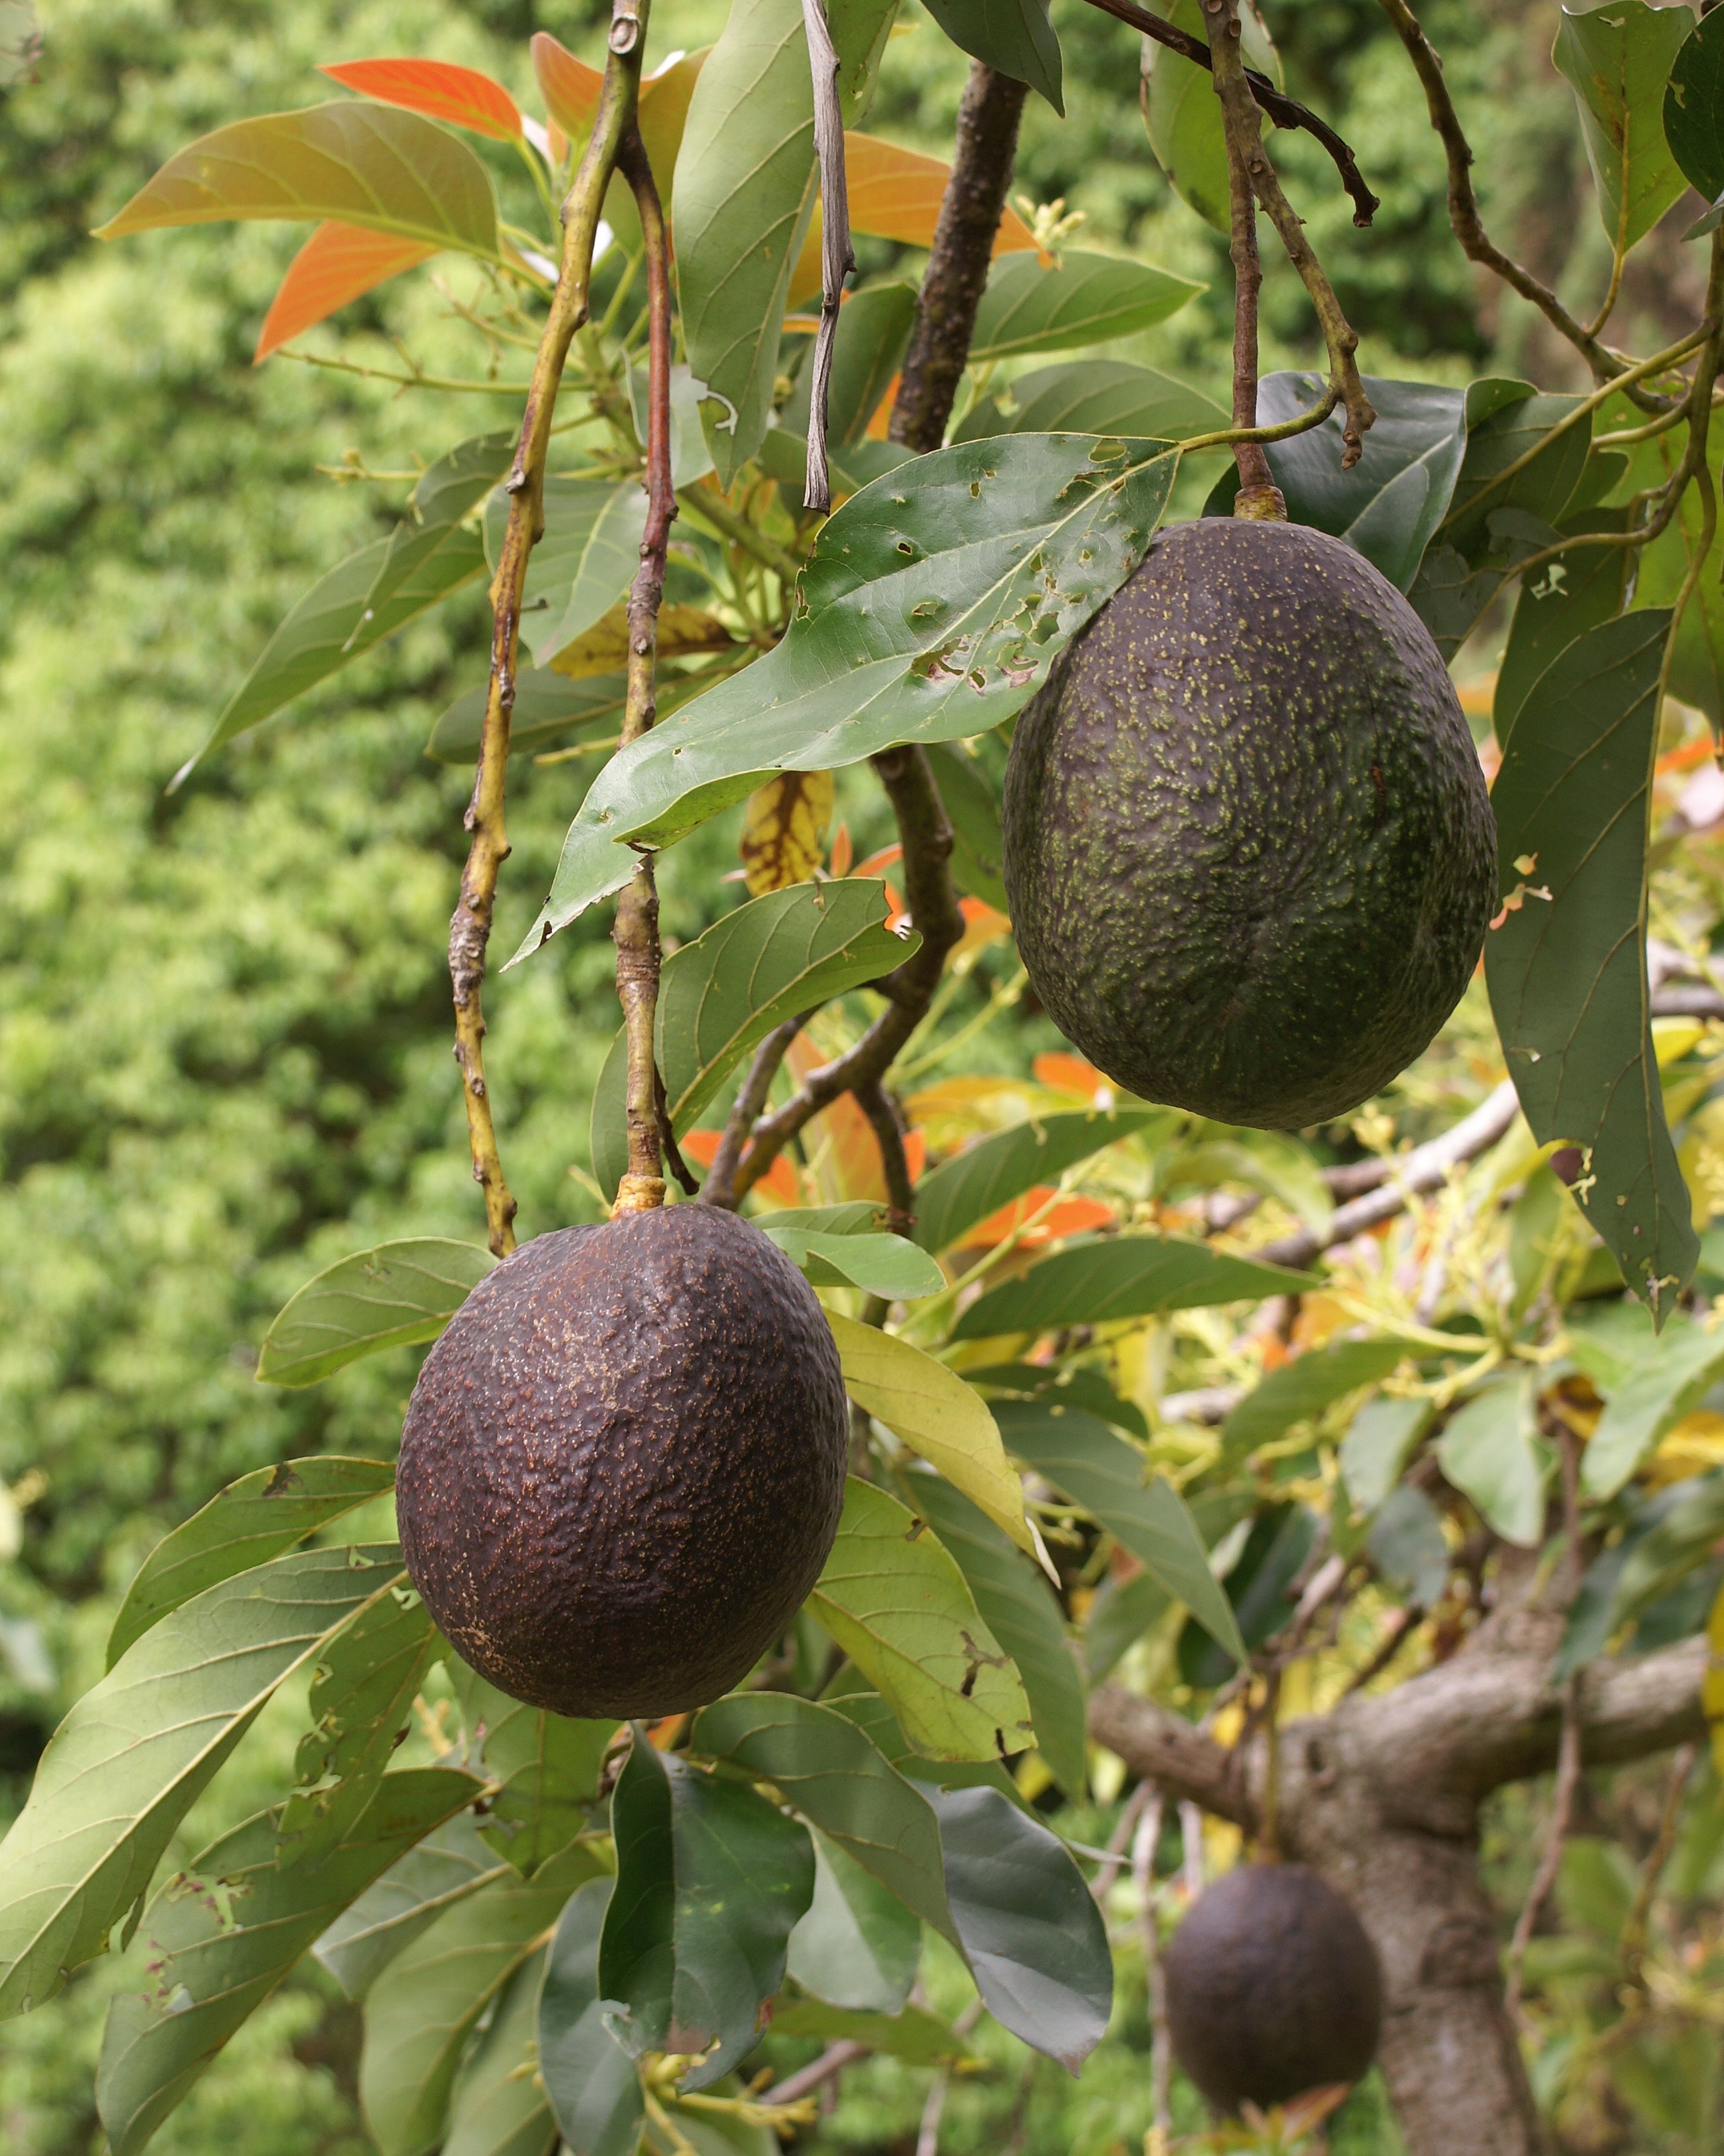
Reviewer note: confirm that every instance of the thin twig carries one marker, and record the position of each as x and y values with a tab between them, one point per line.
1285	111
636	925
1633	1943
1161	2046
751	1099
876	1105
1258	496
470	929
1119	1841
1190	1847
806	2079
927	2138
837	261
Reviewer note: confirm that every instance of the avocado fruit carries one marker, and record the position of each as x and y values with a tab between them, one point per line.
1249	849
1273	1988
623	1463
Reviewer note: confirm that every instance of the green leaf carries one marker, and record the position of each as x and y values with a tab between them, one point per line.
832	1771
582	565
1023	1617
1406	1540
1659	572
1122	1612
421	2011
858	1946
1694	109
548	1766
923	617
1012	37
124	1766
222	1935
1095	1469
1276	1551
546	705
936	1414
1374	1451
364	164
498	2106
445	1868
1391	502
887	1265
1618	58
1572	593
874	329
1304	1388
1086	299
1075	1386
1666	1381
973	808
1489	1453
991	1172
590	2080
1505	422
252	1521
711	1880
1093	396
1686	1536
783	455
918	2037
1183	116
896	1603
1568	973
392	1297
1031	1933
1115	1276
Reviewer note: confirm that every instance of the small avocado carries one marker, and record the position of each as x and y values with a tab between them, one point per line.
1249	849
623	1463
1273	1988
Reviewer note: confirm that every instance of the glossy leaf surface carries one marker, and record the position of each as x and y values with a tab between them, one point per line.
1120	1276
389	1297
1012	37
590	2080
438	90
1086	300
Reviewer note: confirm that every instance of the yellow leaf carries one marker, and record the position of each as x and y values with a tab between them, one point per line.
603	649
784	830
1694	1445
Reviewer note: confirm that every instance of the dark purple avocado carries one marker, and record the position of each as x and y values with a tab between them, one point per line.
1273	1988
1249	848
623	1463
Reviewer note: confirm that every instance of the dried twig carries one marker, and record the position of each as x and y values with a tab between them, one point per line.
1160	2044
806	2079
470	929
1633	1944
875	1103
837	261
1285	111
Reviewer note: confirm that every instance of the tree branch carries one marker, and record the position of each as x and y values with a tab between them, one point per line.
836	259
1258	495
882	1116
1160	1746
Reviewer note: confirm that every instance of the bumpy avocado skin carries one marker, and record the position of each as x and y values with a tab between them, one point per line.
623	1463
1248	846
1273	1988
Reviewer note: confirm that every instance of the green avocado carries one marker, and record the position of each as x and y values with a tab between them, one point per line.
1248	846
623	1463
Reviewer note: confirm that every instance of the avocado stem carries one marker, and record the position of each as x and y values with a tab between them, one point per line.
1259	495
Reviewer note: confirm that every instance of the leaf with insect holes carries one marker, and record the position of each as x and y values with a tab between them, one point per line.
1572	593
784	830
258	1517
362	164
441	91
1084	299
223	1933
135	1752
933	604
1566	960
897	1605
393	1296
338	263
1012	37
1618	60
1182	114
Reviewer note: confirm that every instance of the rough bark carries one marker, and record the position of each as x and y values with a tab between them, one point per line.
1382	1796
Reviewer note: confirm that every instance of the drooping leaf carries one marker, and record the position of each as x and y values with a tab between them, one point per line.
1666	1381
1012	37
421	2011
874	329
1574	593
832	1771
1694	109
1184	115
1086	300
1276	1550
1114	1276
124	1766
858	1946
392	1297
1566	972
1082	1457
222	1934
1618	58
583	564
992	1171
1376	1446
1023	1617
545	705
913	2034
1406	1540
1093	396
936	1414
887	1265
361	164
590	2080
498	2106
438	90
1122	1612
447	1866
784	830
711	1880
252	1521
1031	1931
897	1605
925	618
338	263
1488	1451
1304	1388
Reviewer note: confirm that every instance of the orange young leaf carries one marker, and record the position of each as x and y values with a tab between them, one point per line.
337	263
842	852
882	860
778	1183
983	924
441	91
569	87
1072	1216
1071	1074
